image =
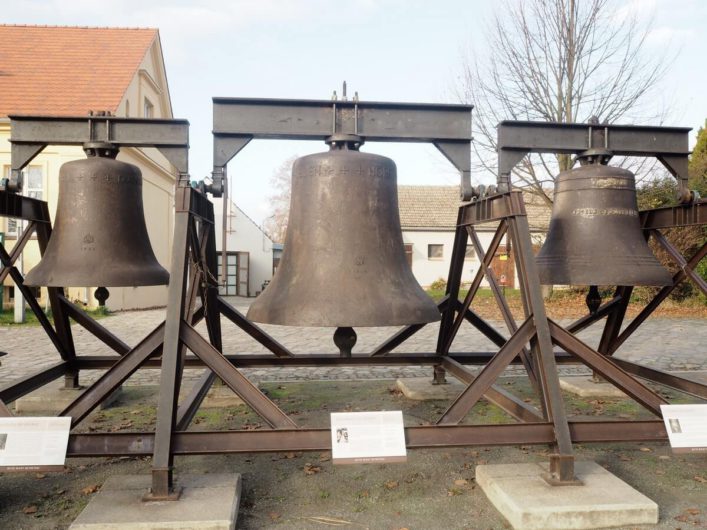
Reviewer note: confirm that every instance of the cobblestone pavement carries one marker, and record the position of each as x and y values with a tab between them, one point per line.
666	344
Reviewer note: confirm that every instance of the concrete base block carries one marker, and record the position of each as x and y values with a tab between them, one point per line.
585	386
207	502
529	503
422	389
55	398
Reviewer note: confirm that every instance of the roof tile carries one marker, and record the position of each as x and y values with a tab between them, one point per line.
67	71
435	208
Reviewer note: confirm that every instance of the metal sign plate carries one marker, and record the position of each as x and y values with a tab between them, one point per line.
368	437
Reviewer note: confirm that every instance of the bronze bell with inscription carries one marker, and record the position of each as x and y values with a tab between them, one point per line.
99	236
595	237
344	261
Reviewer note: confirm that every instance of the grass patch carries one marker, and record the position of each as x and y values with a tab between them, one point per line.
7	317
484	293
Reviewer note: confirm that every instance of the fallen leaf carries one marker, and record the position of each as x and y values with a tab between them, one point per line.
682	518
699	478
693	511
452	492
90	489
461	482
274	516
290	456
324	457
29	509
40	475
391	484
310	469
646	449
663	457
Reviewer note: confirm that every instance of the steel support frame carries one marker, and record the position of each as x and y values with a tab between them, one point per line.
192	278
669	145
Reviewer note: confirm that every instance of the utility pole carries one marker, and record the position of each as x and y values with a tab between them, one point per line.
19	299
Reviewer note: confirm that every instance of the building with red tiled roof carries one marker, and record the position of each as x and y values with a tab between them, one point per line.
69	71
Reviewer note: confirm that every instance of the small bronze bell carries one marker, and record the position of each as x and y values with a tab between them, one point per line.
595	237
344	261
99	237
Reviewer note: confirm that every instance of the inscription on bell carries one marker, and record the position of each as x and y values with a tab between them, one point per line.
611	182
325	170
590	213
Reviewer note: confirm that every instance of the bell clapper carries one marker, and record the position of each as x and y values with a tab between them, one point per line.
101	294
345	339
593	299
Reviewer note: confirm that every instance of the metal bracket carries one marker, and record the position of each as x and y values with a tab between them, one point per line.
669	145
239	120
31	134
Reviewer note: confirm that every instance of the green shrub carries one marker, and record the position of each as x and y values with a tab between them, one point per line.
440	284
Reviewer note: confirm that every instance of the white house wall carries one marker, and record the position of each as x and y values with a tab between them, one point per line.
428	270
246	236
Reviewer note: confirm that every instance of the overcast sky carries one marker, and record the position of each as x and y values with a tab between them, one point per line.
387	50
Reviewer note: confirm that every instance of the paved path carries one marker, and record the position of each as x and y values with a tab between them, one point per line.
666	344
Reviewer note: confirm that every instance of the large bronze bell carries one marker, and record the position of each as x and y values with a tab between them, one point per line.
344	261
99	237
595	237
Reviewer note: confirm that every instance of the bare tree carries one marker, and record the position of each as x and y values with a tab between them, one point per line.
281	184
558	61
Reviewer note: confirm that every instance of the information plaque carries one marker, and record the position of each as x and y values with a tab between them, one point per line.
33	444
367	437
687	427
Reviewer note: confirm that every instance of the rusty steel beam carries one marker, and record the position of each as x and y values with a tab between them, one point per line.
493	208
121	370
405	333
664	378
674	216
29	383
220	442
95	362
17	249
190	406
513	405
483	381
21	207
235	316
30	134
234	379
608	369
93	327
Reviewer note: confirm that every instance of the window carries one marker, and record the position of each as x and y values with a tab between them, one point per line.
33	177
435	251
149	109
127	108
470	253
231	287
